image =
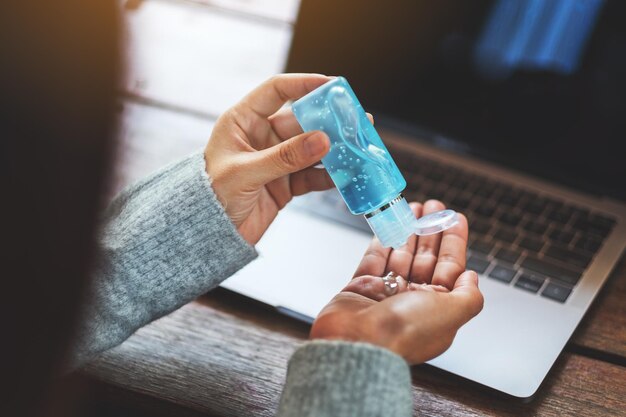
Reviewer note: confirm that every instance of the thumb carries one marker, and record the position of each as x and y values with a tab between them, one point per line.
292	155
466	298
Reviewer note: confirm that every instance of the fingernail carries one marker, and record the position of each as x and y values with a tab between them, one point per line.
475	275
315	144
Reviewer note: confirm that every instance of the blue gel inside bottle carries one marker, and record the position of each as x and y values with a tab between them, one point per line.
360	165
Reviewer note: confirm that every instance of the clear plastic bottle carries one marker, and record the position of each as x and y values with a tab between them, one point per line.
361	167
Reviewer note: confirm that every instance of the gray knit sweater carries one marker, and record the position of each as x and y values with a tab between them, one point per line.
166	240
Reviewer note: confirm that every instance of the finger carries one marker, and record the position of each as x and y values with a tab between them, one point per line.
452	257
287	157
400	259
373	287
267	98
285	124
374	260
310	179
426	287
427	249
467	300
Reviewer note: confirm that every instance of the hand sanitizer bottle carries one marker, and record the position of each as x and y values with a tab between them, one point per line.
361	167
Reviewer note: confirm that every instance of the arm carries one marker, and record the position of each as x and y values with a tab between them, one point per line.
165	241
335	378
176	235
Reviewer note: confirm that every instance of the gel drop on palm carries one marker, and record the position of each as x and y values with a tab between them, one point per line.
361	167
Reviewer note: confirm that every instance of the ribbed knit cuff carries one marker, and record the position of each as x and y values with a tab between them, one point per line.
171	230
333	378
166	241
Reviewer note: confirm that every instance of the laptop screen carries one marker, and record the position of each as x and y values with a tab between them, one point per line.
539	86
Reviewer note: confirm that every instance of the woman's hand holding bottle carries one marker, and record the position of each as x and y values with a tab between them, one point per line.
258	158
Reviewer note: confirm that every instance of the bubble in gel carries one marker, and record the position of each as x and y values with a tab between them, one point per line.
342	178
347	119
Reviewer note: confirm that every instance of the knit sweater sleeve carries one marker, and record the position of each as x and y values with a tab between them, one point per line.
333	378
165	241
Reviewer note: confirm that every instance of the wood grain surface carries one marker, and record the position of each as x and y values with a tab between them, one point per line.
604	327
224	356
198	58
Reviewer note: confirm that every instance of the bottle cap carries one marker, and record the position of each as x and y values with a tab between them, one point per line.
436	222
395	222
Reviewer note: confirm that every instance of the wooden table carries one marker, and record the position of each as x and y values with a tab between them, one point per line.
224	355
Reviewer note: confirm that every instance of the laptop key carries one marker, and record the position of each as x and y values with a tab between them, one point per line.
438	192
479	226
510	197
532	244
537	227
486	209
562	236
549	269
535	206
483	191
482	246
505	235
588	243
578	212
587	226
477	264
561	215
568	256
461	202
556	292
530	282
507	255
602	221
510	218
502	273
461	182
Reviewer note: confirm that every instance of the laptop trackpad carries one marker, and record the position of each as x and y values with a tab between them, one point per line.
304	261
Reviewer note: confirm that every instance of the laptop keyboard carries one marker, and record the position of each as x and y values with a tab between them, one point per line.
531	241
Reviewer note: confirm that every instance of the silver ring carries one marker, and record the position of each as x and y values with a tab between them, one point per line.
399	198
391	283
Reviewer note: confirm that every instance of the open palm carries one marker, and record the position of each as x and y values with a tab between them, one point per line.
435	295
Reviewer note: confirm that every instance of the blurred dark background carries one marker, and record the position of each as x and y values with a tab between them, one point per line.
535	85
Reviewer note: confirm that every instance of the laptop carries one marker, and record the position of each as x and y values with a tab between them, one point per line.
509	111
